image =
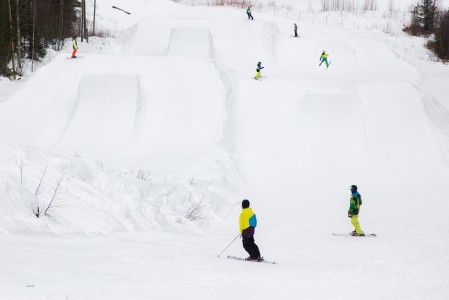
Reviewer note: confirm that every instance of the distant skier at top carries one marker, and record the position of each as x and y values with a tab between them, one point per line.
295	29
248	223
248	12
323	57
75	46
259	67
354	207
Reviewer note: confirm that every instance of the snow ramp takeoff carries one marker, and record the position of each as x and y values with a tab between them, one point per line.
104	116
190	42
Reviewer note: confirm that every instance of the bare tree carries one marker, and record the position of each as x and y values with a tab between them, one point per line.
54	203
12	42
197	209
32	38
95	8
19	52
41	180
21	167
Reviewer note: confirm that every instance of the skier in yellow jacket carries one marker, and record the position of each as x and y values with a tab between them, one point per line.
75	46
323	57
248	223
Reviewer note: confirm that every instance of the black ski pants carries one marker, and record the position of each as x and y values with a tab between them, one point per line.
251	247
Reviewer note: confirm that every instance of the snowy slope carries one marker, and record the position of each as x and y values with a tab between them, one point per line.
174	97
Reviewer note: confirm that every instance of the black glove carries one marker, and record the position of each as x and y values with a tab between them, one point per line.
350	213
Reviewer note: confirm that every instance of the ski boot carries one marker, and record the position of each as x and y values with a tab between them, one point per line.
356	234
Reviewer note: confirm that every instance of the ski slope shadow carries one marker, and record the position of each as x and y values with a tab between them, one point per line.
102	123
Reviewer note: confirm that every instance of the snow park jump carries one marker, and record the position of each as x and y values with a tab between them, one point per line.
134	164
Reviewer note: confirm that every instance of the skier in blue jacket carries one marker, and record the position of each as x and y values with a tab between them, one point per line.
259	67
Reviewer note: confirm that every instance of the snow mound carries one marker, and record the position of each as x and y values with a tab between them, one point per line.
94	199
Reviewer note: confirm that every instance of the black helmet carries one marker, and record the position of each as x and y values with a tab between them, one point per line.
74	37
353	188
245	203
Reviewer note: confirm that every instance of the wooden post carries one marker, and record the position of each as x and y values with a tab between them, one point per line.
95	8
82	20
86	33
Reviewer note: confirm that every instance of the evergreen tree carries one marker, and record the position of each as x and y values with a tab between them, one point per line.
5	38
426	12
441	36
53	22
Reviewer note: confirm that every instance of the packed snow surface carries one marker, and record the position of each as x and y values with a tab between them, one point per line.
157	135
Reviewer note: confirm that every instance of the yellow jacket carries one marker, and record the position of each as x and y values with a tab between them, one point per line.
75	46
247	222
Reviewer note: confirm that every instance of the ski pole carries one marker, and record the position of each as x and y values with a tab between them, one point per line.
229	245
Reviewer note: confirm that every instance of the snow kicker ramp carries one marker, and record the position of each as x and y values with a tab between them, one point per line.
191	42
104	116
143	117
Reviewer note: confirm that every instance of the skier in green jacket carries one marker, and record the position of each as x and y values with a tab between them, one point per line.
354	207
248	12
323	58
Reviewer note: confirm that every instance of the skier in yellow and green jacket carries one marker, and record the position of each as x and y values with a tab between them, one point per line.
248	223
354	208
248	12
323	58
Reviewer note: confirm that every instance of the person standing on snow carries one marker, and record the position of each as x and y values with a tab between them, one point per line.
248	223
354	207
323	57
75	46
259	67
295	29
248	12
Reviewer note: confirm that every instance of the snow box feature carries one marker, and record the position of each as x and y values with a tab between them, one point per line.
190	42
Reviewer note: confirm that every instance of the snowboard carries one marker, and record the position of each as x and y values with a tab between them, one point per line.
350	234
260	78
263	261
74	57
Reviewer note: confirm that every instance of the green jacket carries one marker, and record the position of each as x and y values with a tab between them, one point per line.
354	204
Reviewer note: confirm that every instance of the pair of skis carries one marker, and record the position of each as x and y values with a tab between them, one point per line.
350	234
256	261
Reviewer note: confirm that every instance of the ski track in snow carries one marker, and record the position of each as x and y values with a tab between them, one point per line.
168	116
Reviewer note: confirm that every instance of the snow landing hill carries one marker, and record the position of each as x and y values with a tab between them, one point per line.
158	134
